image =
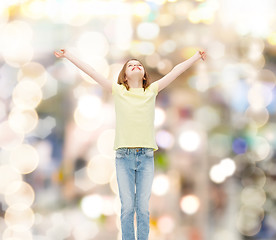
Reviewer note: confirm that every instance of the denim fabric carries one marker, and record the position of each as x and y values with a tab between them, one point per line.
135	172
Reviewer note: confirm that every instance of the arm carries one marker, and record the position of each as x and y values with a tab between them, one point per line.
179	69
105	83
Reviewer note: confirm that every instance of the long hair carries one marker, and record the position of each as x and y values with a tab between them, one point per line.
122	76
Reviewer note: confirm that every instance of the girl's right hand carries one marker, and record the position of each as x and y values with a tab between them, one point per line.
60	54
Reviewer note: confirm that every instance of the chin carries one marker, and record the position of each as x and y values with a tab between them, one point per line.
136	74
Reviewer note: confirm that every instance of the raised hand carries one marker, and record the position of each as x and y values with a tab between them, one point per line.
202	55
60	54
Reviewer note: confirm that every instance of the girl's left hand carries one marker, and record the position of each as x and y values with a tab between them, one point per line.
202	55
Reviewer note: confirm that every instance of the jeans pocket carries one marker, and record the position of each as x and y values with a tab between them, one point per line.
149	153
120	153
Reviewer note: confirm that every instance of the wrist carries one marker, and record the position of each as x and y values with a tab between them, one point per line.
67	54
197	56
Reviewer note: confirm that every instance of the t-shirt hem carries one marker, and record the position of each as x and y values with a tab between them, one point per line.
126	146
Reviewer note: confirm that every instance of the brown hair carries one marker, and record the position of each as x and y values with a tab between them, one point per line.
122	76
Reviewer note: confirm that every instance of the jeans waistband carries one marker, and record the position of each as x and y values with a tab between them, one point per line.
134	150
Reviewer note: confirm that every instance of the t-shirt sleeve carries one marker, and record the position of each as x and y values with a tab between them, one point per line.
154	87
114	88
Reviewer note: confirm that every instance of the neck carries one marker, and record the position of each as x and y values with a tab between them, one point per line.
135	82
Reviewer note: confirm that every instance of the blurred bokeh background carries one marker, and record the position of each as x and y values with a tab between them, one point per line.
215	125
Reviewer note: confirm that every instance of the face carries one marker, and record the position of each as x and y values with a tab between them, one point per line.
133	68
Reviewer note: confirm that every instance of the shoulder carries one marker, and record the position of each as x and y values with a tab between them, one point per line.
116	87
154	87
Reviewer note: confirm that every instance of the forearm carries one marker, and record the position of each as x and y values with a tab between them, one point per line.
81	65
179	69
183	66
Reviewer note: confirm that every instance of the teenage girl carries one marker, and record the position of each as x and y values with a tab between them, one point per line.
134	98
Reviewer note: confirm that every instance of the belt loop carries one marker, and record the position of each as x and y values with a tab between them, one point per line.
127	151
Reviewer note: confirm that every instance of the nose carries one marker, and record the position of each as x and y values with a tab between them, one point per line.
135	67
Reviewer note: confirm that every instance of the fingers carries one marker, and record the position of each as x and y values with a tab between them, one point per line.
59	54
202	55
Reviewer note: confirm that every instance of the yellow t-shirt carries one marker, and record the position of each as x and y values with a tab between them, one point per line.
135	110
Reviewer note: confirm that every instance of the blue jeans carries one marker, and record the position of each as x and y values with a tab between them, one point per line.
135	172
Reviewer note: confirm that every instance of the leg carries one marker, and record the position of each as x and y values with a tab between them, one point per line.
126	183
145	174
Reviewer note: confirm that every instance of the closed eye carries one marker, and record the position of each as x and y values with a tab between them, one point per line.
135	65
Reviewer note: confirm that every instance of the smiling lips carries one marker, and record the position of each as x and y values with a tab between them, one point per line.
134	68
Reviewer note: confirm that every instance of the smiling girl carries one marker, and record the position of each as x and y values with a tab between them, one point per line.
134	98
